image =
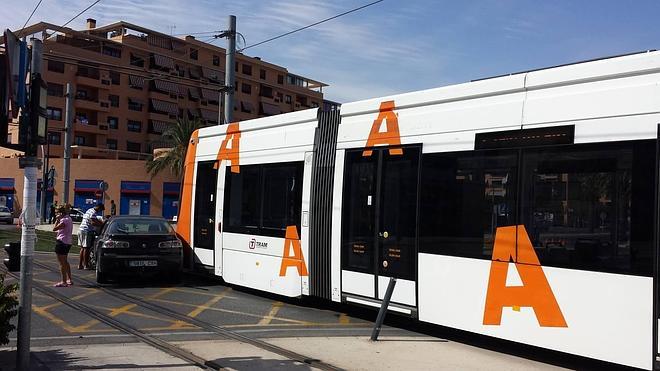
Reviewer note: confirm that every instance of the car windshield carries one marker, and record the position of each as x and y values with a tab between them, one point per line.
139	226
4	209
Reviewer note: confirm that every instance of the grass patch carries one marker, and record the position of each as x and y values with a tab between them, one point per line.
45	240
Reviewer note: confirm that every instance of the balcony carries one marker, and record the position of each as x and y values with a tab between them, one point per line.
92	104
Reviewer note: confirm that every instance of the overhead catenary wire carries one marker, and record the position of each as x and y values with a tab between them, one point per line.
72	19
31	14
310	25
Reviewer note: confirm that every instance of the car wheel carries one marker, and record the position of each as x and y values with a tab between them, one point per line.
101	277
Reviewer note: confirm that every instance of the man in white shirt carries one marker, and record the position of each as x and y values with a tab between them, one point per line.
87	233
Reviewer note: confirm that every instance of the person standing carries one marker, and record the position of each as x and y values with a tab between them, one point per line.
64	228
87	233
53	208
113	208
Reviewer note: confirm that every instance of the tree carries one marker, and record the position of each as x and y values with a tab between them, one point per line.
8	304
178	137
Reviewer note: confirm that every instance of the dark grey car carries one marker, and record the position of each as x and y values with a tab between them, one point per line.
137	246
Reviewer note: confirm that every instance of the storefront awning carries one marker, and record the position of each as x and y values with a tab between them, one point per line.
167	86
159	127
211	95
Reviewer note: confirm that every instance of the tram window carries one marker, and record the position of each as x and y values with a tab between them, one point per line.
464	198
282	196
242	206
263	199
589	207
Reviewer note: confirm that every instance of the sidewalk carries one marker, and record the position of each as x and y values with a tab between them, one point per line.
49	228
350	353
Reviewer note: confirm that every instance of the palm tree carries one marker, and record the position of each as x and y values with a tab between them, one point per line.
178	137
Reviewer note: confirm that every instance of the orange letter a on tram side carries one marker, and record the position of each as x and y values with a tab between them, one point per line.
535	291
231	154
295	260
390	137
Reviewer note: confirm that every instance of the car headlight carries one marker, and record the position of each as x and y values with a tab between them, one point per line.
173	244
115	244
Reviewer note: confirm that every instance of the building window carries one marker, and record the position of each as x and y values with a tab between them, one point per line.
280	97
266	91
280	79
113	52
137	60
54	138
236	66
263	199
262	74
113	122
89	72
55	90
79	140
216	60
134	126
287	99
133	146
114	100
247	69
194	53
56	66
111	143
54	113
134	105
246	88
115	78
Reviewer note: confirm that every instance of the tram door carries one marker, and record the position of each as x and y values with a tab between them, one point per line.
204	215
379	223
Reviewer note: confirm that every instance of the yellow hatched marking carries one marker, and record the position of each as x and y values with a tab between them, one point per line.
85	327
201	293
271	315
232	312
161	292
201	308
114	312
344	319
79	296
189	327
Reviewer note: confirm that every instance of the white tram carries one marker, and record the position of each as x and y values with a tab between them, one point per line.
521	207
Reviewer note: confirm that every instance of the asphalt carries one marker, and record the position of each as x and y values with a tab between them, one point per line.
349	353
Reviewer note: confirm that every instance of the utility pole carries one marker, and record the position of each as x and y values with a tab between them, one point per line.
229	70
68	123
45	153
37	129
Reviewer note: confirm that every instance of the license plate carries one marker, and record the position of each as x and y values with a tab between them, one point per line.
143	263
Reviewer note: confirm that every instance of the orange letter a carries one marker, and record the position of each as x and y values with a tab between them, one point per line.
390	137
231	154
535	291
295	260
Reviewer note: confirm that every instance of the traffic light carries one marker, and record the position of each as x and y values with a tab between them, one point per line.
37	126
13	72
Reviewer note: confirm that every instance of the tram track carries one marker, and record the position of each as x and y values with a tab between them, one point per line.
163	345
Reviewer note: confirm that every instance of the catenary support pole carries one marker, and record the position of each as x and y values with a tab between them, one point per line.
28	235
229	70
68	123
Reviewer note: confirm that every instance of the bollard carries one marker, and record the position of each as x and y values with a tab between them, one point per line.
13	260
383	309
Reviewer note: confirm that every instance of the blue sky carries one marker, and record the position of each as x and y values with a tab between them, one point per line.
393	46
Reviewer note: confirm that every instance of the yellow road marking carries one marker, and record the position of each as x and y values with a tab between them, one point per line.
232	312
344	319
160	293
199	292
117	311
201	308
271	315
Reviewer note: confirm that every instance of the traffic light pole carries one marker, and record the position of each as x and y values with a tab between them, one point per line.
28	219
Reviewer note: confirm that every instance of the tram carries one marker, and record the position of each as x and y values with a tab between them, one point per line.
522	207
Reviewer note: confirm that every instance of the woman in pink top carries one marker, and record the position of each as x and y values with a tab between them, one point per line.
64	228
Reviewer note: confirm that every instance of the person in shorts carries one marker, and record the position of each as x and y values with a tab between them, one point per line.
92	219
64	228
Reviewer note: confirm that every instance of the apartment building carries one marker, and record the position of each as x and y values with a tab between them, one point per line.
130	83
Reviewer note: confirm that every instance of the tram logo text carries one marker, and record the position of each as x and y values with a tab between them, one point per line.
254	244
535	291
391	136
